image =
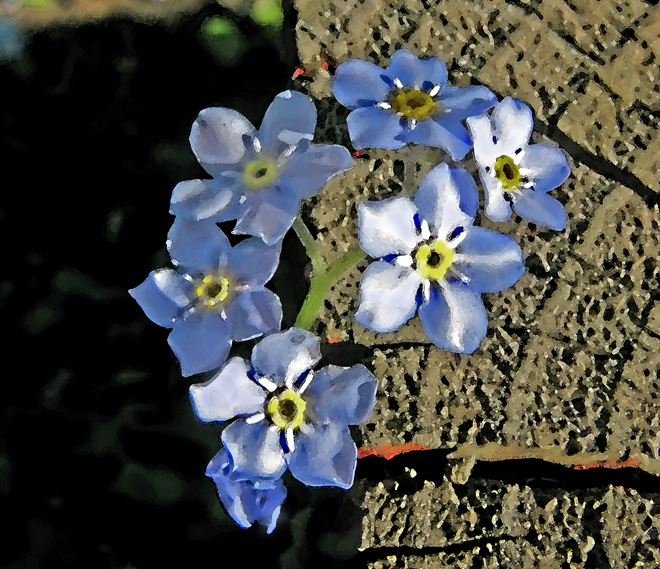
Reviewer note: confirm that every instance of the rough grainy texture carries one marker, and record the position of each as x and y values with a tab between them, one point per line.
569	370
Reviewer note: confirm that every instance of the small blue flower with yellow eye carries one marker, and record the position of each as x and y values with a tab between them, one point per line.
433	260
215	296
514	173
286	415
259	177
409	102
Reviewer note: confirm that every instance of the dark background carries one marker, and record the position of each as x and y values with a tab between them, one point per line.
102	460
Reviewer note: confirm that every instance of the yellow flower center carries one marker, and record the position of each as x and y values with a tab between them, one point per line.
413	104
259	173
433	261
286	410
212	290
507	172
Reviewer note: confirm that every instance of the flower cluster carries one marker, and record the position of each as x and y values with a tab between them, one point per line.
429	258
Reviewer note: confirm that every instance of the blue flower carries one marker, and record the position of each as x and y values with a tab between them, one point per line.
215	296
409	102
259	177
433	260
246	501
515	173
286	414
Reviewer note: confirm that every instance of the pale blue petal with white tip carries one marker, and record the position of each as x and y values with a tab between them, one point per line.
162	296
540	208
286	354
359	83
255	450
290	118
344	395
547	165
387	227
387	297
464	102
491	261
217	137
201	342
374	127
254	312
197	247
229	393
246	502
413	71
309	169
324	455
442	132
454	319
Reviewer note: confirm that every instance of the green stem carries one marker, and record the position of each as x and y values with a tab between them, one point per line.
320	284
308	242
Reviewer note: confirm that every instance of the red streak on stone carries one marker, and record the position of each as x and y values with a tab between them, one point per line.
390	451
333	340
357	153
298	72
325	64
630	463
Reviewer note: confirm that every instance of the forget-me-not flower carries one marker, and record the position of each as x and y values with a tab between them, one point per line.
409	102
259	177
215	296
433	260
286	414
246	501
515	173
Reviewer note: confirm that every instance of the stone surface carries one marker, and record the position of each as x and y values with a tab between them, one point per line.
569	370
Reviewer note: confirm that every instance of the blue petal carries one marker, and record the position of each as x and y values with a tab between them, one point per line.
455	319
356	81
387	227
540	208
255	450
254	312
387	297
217	138
284	356
342	395
252	262
413	71
438	201
196	200
468	190
269	214
197	247
512	125
324	455
547	165
492	261
162	296
245	501
290	118
308	170
497	207
374	128
201	342
228	393
463	102
441	132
